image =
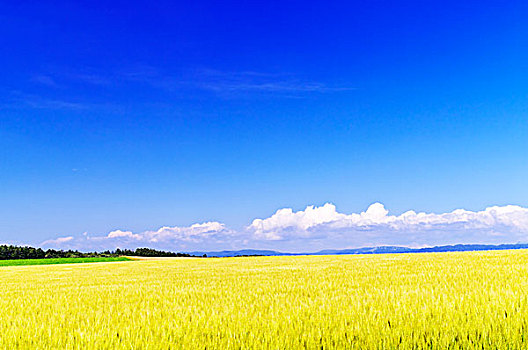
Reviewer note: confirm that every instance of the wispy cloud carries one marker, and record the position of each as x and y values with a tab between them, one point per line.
21	100
44	80
323	227
92	78
272	87
40	102
66	76
248	81
225	83
90	88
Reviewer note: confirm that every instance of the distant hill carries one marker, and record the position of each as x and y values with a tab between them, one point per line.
9	252
367	250
243	252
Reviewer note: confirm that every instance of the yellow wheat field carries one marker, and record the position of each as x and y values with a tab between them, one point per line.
440	301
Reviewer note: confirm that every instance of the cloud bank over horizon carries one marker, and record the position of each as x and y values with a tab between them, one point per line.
322	227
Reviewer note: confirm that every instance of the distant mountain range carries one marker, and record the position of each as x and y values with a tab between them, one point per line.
368	250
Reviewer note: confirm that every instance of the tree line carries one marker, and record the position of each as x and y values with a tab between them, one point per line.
8	252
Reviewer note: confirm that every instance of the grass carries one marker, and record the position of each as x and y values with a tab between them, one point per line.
465	300
19	262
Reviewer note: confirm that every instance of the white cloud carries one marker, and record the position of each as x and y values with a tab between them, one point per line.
322	227
123	234
285	220
197	236
376	226
194	233
57	241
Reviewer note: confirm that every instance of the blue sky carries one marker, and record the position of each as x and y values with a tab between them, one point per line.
135	115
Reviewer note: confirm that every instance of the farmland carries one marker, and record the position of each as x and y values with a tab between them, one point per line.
436	300
19	262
